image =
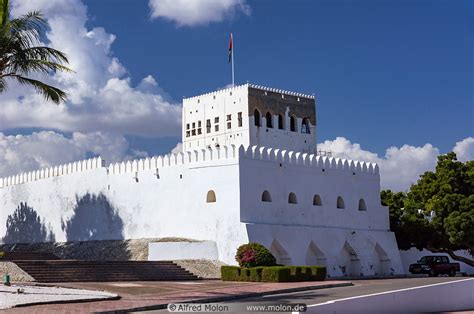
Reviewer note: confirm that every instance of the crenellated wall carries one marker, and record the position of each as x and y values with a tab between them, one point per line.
78	166
167	196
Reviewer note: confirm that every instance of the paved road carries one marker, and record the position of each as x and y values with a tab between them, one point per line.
361	287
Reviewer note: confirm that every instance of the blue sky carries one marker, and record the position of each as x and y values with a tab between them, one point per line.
384	72
393	79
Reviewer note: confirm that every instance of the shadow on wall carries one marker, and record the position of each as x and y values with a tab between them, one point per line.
25	226
94	218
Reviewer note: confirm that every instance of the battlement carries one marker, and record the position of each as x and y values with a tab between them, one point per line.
247	85
55	171
196	157
308	160
171	160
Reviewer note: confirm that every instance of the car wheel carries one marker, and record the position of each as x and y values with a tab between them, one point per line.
452	272
433	273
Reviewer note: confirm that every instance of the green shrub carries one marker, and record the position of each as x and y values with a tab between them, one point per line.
230	273
256	273
298	273
273	273
245	274
317	273
253	255
276	274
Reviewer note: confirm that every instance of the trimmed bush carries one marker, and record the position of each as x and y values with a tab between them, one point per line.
317	273
256	273
245	274
230	273
254	255
274	273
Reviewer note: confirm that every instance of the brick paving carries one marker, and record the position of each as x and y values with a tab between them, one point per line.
150	294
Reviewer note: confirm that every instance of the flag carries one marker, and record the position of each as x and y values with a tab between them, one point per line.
230	48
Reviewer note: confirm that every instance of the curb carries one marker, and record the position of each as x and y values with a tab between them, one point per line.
231	297
117	297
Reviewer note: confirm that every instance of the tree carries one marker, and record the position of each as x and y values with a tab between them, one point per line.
438	212
22	54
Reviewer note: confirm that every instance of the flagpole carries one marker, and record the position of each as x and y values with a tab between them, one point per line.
232	51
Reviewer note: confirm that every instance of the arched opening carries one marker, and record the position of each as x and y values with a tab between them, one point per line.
266	197
211	197
305	126
349	263
281	255
256	116
268	117
317	200
292	198
382	262
314	256
362	205
340	202
293	124
281	126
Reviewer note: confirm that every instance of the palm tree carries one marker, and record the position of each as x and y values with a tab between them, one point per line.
21	53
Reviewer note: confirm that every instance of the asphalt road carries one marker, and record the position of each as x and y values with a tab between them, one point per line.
360	287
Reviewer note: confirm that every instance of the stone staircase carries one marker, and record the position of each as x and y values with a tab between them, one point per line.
13	256
83	271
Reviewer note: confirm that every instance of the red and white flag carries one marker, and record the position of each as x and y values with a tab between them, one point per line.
230	48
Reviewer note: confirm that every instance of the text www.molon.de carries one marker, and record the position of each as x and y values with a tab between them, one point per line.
235	307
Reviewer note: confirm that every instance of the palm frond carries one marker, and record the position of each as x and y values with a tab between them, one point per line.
3	12
49	92
3	84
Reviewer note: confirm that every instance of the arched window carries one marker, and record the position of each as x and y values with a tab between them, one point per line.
211	196
305	126
280	122
266	197
256	116
293	124
268	117
317	200
292	198
362	205
340	202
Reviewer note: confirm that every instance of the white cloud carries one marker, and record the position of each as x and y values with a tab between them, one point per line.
196	12
465	149
178	148
101	97
21	153
399	168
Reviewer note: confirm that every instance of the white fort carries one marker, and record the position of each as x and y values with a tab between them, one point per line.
249	172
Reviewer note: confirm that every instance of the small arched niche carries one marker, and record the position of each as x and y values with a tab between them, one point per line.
256	117
269	119
362	205
292	198
340	202
281	125
317	200
211	196
293	123
266	197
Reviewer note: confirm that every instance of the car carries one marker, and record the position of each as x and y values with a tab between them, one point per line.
434	265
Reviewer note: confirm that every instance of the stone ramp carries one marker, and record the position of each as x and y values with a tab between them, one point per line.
102	271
